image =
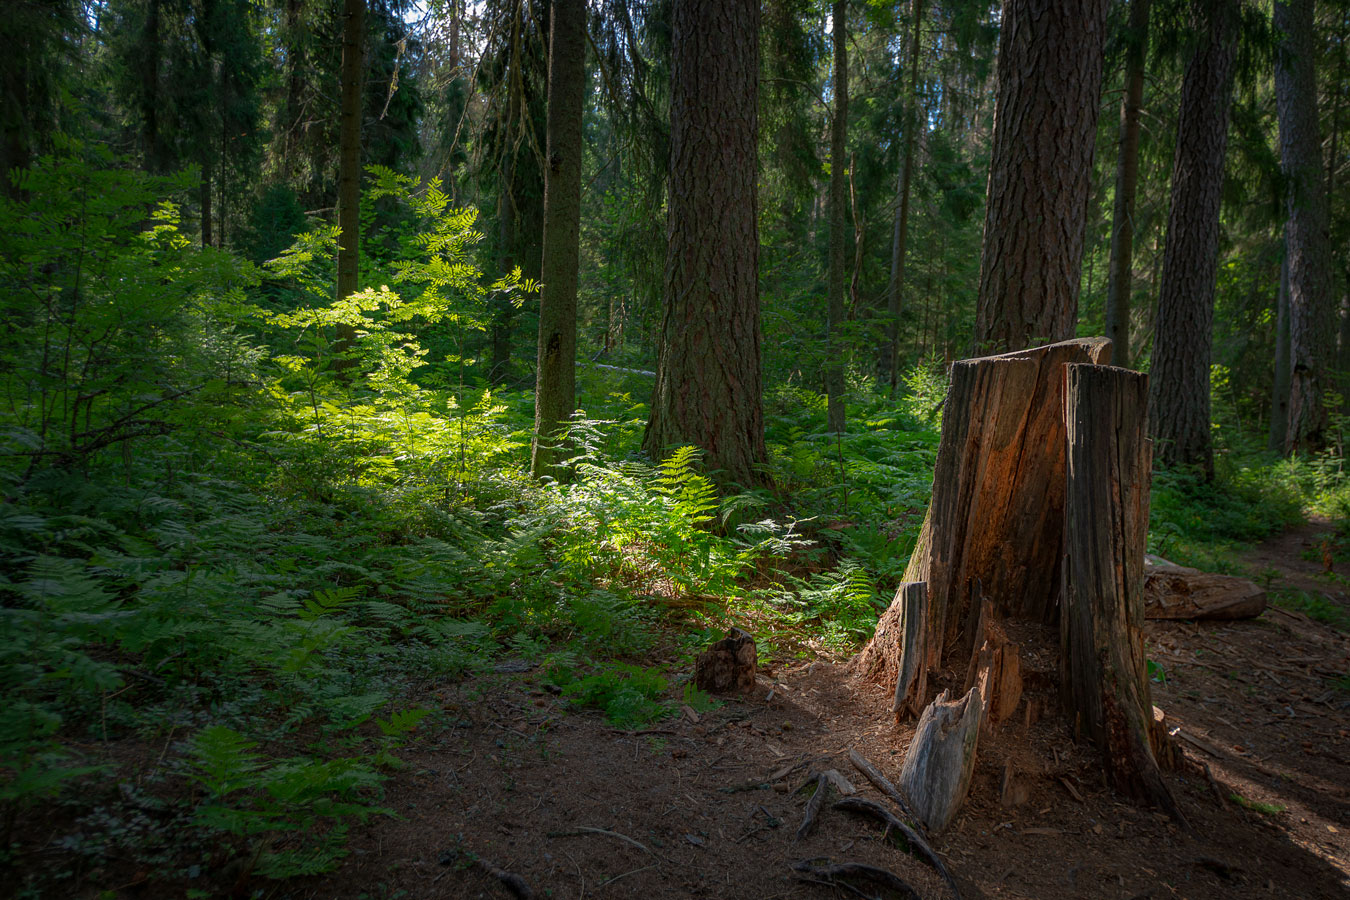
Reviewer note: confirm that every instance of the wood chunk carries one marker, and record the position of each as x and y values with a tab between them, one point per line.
1014	791
896	652
995	669
728	666
1177	592
941	759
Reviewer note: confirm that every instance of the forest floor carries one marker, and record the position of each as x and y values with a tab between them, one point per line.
707	805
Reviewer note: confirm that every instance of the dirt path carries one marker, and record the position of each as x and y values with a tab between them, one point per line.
704	806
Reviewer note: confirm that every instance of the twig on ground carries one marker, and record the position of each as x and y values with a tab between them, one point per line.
883	784
877	811
834	873
813	807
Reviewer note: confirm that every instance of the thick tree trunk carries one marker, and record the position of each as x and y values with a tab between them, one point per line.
349	163
1045	122
997	513
1183	334
708	383
834	364
1279	393
890	356
555	385
1104	672
1120	285
1311	325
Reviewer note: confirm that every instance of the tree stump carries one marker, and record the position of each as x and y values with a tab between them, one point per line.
997	512
728	665
941	759
895	654
995	670
1104	673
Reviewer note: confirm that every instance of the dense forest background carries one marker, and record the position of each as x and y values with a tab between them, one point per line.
297	295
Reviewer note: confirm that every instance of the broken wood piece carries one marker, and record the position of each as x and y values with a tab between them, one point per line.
1014	790
941	759
728	666
836	873
896	652
883	784
995	668
1178	592
840	783
811	817
911	835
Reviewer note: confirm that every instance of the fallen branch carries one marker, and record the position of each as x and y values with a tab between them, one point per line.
813	807
588	829
834	873
513	883
883	784
886	817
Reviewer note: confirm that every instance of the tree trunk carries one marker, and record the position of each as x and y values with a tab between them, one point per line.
1311	328
1120	285
349	164
896	654
555	386
1104	672
890	358
1279	394
834	364
997	513
1183	335
708	382
1045	121
204	196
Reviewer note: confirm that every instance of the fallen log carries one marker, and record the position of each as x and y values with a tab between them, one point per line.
1177	592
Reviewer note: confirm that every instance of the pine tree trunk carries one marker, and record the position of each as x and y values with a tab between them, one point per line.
349	165
555	386
890	358
708	382
1183	334
834	366
1045	121
1279	394
1311	325
1104	672
1120	285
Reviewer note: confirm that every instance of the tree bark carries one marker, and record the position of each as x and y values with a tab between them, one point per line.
890	358
834	364
997	513
1279	393
940	761
1045	121
1120	285
896	654
1183	334
1104	672
708	382
1311	326
555	385
349	164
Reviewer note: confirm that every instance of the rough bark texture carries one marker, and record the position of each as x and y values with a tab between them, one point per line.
995	670
1183	334
1103	666
834	364
555	379
890	356
1120	284
1045	121
997	513
1279	389
1176	592
728	665
941	759
349	149
1311	325
708	382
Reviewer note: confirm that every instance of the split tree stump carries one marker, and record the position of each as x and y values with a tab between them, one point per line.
1104	673
1022	462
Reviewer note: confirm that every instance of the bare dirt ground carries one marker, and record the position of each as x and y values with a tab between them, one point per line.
706	806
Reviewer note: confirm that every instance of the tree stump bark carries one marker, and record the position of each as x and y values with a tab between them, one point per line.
1104	673
728	665
995	670
997	512
895	654
941	759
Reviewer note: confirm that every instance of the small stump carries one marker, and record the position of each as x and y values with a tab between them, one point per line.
728	666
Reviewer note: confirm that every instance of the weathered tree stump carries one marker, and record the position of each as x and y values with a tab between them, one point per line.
728	665
895	654
1104	673
997	512
995	670
941	759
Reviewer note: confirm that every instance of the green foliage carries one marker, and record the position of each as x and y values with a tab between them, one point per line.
629	696
1195	523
